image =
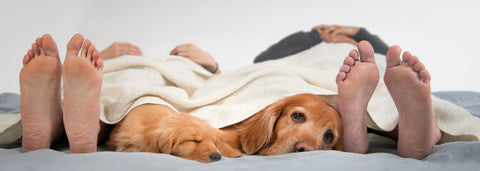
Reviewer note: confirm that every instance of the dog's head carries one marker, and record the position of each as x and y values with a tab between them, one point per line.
191	138
303	122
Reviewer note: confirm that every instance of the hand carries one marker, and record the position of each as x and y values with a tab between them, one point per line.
197	55
337	33
118	49
339	38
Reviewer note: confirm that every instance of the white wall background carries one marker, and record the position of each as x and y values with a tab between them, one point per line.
444	34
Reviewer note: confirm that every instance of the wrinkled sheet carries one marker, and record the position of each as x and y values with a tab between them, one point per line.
448	156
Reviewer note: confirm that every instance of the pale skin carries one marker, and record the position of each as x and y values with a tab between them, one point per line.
337	33
117	49
409	85
43	117
197	55
189	51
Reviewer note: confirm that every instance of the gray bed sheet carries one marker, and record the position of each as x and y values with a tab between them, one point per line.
381	155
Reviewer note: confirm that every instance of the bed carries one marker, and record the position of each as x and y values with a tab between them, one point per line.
459	155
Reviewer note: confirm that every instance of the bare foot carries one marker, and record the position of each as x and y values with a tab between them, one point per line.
356	81
40	102
409	85
82	82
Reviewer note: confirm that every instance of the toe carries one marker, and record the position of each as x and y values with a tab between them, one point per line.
393	56
30	53
354	54
411	60
36	50
38	41
418	67
29	56
366	51
98	60
349	61
49	46
86	45
345	69
26	59
425	76
90	51
340	77
74	45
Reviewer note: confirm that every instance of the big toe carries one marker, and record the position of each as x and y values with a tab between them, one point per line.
49	45
74	45
393	56
366	51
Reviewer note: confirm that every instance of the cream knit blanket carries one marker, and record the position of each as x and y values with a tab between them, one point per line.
228	98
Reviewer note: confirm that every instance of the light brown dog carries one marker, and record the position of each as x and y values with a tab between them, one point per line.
159	129
303	122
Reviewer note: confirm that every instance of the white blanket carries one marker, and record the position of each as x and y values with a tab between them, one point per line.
228	98
231	97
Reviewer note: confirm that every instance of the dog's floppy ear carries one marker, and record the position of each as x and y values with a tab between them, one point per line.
339	144
258	129
161	142
227	144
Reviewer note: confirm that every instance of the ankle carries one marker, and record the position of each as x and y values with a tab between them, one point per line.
414	152
355	140
83	146
35	143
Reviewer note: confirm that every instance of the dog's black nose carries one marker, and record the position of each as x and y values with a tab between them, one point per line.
215	157
303	146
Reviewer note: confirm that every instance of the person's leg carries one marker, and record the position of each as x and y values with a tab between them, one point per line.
82	82
409	85
40	101
357	80
378	44
292	44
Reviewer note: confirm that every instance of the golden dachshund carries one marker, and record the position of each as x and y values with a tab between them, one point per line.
159	129
303	122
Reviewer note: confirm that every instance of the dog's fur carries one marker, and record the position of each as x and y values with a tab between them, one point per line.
301	122
159	129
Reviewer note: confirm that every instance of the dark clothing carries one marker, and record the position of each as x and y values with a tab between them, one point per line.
301	41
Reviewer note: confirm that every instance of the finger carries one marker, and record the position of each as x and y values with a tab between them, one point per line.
321	27
138	49
132	53
176	50
184	54
173	52
326	37
183	47
329	30
335	32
